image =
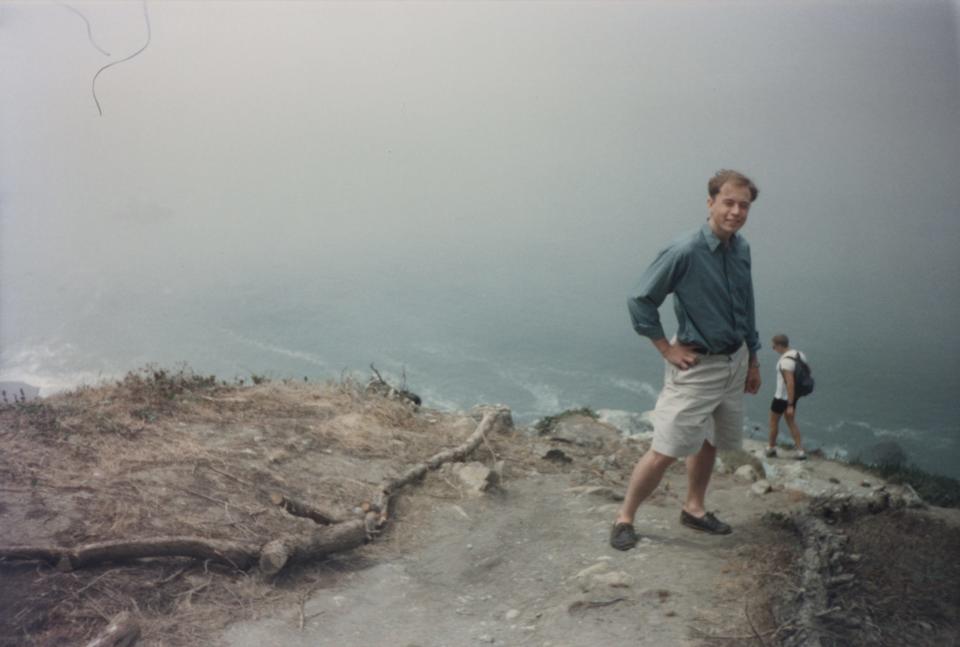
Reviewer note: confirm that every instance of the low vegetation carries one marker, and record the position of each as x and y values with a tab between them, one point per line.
933	488
546	424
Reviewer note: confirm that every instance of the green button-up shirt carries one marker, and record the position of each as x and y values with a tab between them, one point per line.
712	292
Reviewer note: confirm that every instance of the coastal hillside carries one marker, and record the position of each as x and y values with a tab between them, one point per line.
175	509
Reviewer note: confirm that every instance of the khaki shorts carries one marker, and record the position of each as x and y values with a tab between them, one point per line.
704	402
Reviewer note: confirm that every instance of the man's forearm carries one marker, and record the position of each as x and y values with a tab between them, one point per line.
661	344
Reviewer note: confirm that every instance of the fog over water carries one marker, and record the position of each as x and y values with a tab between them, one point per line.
469	191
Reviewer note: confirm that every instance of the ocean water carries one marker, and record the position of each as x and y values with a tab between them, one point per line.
537	356
465	193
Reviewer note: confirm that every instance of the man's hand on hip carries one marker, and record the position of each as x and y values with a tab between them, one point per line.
680	355
753	380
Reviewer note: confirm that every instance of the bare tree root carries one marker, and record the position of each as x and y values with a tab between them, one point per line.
379	512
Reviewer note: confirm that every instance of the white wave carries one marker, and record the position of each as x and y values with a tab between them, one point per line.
48	366
629	423
433	399
635	386
303	356
879	432
836	452
546	398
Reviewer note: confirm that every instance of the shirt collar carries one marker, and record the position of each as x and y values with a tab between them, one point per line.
711	238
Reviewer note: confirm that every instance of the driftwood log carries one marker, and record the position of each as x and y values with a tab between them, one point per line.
123	631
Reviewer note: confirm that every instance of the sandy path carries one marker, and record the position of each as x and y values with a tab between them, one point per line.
502	569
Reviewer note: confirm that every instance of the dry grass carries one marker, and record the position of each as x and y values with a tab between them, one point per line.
766	564
908	579
171	453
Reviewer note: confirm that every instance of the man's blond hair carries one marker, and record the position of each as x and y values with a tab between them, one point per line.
736	178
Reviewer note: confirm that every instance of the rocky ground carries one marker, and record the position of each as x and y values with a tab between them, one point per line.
509	547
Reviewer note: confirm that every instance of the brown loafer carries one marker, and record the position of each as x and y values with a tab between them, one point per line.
706	523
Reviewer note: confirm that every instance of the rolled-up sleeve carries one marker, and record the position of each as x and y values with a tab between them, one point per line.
656	283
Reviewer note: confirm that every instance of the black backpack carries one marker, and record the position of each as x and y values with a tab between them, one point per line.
802	377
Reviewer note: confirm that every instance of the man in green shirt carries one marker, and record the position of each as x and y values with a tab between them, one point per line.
710	363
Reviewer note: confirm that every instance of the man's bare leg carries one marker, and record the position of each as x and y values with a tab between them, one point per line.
774	429
699	470
646	476
794	430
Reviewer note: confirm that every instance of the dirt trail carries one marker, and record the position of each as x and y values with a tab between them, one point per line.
503	569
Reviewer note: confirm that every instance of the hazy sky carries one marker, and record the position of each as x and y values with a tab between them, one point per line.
542	150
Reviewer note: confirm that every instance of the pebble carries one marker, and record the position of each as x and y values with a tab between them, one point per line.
761	487
746	473
512	614
594	569
617	579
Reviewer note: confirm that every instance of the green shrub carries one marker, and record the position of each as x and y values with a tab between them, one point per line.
546	424
933	488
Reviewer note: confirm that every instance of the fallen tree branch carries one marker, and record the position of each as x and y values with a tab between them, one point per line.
299	508
272	556
325	540
380	386
380	512
233	554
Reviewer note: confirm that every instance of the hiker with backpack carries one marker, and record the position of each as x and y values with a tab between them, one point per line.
794	380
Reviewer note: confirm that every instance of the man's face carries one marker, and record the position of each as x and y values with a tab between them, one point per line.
728	210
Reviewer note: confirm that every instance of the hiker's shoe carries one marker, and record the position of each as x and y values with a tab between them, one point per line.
623	536
706	523
801	456
771	452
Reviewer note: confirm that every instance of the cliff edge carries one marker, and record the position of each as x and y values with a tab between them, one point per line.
157	497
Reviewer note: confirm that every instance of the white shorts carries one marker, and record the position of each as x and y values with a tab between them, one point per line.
704	402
